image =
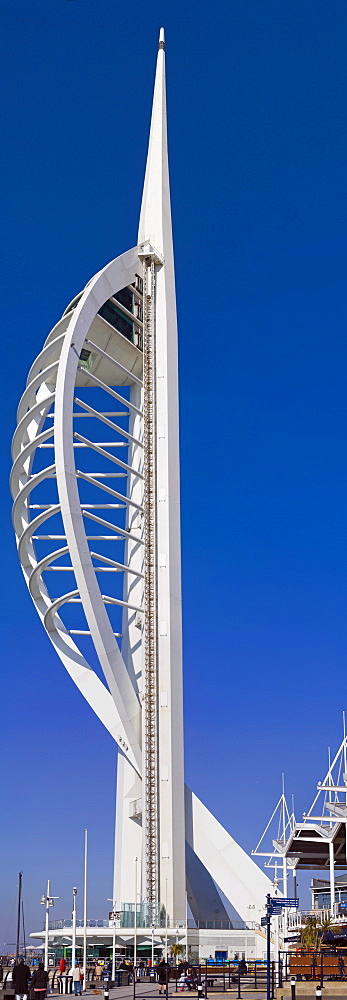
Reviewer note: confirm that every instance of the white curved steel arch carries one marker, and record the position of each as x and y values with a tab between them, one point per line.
38	381
122	699
47	351
118	274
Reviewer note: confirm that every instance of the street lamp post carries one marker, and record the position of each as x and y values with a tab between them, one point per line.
73	953
135	920
152	945
113	917
186	926
114	943
85	911
166	920
47	901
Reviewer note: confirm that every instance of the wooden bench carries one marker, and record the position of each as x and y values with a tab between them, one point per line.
330	966
301	966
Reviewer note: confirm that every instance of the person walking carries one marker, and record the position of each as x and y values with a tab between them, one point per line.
20	978
39	982
76	979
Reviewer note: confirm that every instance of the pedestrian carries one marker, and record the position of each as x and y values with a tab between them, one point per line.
39	982
141	967
162	973
20	978
76	979
98	971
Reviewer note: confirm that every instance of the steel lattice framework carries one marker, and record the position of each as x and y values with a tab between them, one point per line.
150	626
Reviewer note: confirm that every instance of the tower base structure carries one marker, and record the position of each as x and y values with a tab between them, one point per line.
216	866
217	939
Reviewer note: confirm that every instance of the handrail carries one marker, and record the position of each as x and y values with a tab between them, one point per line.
126	921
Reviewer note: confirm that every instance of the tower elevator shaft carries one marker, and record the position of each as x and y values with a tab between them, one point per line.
150	686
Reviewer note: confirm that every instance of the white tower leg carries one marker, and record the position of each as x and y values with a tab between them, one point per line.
128	832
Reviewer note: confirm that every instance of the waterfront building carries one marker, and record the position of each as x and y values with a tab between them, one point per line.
316	843
321	895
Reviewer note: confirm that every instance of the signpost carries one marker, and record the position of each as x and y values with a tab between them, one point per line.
278	901
274	906
268	953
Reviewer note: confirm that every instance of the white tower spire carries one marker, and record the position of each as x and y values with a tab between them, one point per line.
155	228
155	217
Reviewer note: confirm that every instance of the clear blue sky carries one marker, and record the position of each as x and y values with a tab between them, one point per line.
257	134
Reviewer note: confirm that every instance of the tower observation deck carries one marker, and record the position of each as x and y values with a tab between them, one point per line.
95	484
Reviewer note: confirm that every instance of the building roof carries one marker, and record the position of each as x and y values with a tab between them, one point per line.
320	883
309	843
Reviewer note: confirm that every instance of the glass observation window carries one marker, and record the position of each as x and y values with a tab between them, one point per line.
116	318
125	298
86	359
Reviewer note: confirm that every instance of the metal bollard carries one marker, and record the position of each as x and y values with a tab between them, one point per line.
200	990
106	992
292	986
318	992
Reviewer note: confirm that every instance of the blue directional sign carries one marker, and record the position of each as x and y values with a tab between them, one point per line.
263	921
277	901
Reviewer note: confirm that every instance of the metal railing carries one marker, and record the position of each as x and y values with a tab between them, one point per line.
305	966
299	917
56	925
235	977
126	920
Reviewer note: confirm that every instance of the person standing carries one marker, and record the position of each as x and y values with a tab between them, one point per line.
76	979
20	978
162	973
39	982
